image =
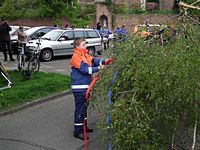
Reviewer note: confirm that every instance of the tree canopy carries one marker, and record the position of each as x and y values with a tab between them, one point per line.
71	10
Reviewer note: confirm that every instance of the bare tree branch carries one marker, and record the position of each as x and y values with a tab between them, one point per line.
182	4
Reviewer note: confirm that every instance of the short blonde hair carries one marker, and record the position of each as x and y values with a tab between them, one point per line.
77	41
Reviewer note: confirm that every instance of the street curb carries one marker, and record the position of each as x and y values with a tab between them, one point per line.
35	102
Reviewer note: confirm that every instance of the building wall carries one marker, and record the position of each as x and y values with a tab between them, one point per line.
126	2
166	4
102	10
136	19
163	4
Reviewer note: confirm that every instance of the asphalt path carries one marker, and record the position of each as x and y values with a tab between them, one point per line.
49	125
57	64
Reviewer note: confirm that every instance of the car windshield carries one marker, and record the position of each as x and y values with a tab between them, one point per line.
31	30
52	35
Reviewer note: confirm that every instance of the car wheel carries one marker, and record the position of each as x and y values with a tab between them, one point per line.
91	51
46	54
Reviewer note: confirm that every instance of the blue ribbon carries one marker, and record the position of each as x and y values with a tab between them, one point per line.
109	103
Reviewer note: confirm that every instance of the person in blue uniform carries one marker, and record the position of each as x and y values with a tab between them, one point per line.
83	66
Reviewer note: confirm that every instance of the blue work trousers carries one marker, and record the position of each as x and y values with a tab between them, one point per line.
80	112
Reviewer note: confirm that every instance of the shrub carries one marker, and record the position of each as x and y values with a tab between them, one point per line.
156	93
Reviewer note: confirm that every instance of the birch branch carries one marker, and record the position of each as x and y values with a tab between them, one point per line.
196	21
174	131
195	130
195	2
182	4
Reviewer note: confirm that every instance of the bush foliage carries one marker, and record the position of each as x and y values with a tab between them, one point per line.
12	9
156	93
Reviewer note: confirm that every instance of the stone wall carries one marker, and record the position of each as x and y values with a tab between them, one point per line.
127	2
134	19
167	4
137	18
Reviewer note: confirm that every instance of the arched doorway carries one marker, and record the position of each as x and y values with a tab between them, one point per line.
103	20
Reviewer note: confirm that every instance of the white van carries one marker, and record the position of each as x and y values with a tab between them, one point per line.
59	42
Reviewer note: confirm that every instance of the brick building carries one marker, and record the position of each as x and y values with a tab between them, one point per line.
105	16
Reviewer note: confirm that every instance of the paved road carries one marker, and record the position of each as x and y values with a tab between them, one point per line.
58	64
47	126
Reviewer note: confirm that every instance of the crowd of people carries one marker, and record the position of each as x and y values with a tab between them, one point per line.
120	33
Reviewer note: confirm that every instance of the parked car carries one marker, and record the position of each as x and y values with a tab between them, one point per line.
32	33
36	32
59	42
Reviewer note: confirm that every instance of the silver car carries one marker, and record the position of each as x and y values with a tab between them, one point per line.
59	42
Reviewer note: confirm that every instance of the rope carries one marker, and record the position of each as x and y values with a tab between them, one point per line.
109	104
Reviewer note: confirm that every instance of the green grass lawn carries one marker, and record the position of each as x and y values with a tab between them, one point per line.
40	85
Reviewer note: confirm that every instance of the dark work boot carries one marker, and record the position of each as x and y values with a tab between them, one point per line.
5	56
12	59
89	130
80	136
11	55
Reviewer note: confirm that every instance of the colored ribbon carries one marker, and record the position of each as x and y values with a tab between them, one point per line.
109	103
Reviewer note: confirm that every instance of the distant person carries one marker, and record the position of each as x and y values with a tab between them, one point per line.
5	39
123	31
120	33
117	31
22	37
106	33
72	26
98	28
66	26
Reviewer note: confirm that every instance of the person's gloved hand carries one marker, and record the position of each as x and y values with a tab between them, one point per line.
108	61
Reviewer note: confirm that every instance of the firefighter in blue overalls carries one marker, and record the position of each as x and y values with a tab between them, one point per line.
82	67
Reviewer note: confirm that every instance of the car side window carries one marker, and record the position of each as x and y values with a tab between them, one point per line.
79	34
92	34
68	35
